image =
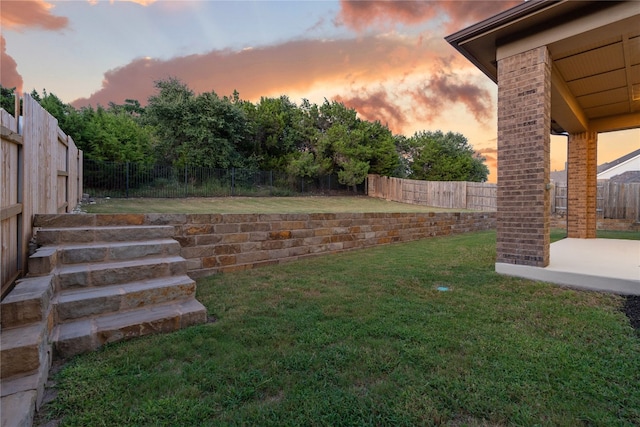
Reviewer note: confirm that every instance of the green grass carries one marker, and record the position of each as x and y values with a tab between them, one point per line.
256	205
366	338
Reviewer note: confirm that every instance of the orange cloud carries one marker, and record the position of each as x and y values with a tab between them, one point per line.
140	2
9	76
338	69
491	160
295	66
377	106
17	15
433	95
360	15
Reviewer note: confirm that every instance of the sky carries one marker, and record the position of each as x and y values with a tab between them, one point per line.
388	60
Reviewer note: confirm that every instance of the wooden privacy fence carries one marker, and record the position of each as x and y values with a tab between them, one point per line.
442	194
41	174
615	200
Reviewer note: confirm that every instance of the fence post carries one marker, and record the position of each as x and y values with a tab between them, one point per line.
271	183
233	180
126	186
186	190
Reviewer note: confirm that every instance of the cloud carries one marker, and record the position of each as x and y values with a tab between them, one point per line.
9	75
360	15
292	67
377	106
140	2
491	158
383	78
441	89
17	15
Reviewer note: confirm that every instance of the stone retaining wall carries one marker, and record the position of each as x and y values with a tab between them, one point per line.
213	243
227	242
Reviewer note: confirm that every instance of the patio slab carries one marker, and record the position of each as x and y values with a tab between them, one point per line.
608	265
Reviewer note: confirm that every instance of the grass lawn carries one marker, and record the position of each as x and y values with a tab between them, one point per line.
256	205
367	338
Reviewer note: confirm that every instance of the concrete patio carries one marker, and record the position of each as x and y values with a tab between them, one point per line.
608	265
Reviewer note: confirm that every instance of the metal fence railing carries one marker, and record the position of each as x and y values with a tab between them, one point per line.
127	179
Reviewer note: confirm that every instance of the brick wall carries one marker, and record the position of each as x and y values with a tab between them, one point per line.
524	120
582	185
227	242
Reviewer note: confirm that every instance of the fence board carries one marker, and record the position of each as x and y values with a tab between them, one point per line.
10	206
482	196
614	200
36	175
444	194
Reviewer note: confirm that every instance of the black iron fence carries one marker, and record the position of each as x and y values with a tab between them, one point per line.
121	180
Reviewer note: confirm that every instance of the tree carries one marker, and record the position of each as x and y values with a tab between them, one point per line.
435	156
357	147
167	112
276	131
215	129
202	130
115	136
383	157
7	99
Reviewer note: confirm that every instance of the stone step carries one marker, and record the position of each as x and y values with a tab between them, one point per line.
55	236
46	258
18	409
77	303
112	273
43	261
28	302
32	381
22	349
86	335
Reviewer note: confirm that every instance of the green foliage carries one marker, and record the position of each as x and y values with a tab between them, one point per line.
200	130
276	131
350	146
434	156
115	136
167	113
7	99
178	127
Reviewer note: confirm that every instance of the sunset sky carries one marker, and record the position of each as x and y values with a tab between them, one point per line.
388	60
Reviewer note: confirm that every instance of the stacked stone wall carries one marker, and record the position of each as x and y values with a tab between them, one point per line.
228	242
213	243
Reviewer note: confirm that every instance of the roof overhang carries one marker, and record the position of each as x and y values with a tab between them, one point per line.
595	48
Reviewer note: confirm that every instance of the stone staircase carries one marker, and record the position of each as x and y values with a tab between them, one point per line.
88	286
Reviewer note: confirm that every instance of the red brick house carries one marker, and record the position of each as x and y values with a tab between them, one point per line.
562	67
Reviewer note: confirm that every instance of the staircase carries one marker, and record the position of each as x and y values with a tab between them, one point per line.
88	286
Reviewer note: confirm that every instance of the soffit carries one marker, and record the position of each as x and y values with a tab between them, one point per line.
602	75
595	48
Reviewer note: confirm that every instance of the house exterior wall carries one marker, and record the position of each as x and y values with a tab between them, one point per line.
524	120
630	165
582	185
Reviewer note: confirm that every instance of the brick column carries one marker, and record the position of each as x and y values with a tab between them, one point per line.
582	185
524	123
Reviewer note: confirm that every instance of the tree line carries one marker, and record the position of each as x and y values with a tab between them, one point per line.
178	127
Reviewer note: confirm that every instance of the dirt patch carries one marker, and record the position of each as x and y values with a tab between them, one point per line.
631	308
